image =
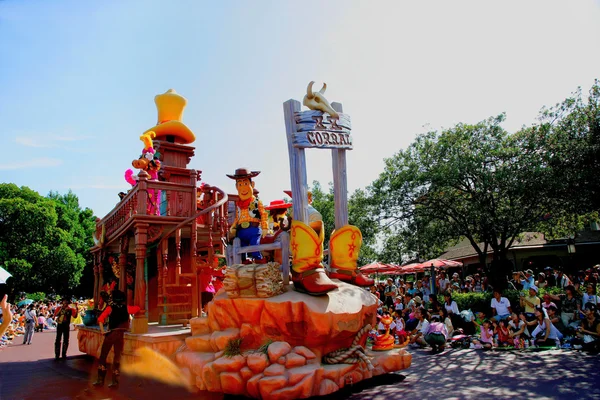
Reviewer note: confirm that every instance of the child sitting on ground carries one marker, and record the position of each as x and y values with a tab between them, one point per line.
502	333
486	337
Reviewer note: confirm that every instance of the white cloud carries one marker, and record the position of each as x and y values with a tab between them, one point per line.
33	142
69	138
33	163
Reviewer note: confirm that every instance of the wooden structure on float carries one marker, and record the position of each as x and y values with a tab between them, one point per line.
169	249
308	129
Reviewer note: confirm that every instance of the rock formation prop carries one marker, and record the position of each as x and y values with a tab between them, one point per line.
280	347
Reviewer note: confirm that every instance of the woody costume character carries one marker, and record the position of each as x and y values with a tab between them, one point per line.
62	316
118	324
306	246
250	223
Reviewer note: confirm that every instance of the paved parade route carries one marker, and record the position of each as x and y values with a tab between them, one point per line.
30	372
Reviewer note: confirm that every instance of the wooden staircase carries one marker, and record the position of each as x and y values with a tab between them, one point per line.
186	249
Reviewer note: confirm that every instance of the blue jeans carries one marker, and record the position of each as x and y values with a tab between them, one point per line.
250	237
502	317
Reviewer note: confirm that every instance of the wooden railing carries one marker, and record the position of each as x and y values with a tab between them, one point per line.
151	199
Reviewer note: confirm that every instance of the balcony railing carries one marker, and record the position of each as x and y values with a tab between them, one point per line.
150	199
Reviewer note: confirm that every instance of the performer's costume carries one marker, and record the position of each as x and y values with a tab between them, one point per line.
118	324
250	222
63	316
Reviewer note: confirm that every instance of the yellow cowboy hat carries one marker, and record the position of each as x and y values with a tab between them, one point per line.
170	107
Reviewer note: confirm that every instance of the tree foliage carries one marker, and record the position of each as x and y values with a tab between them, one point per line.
44	241
358	215
473	181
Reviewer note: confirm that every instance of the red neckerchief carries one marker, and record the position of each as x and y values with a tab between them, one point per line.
244	204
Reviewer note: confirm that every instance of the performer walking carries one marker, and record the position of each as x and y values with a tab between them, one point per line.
62	316
118	324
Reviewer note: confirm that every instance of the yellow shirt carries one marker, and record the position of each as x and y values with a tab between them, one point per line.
535	300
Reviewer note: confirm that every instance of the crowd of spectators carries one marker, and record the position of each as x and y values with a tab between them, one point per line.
568	319
21	322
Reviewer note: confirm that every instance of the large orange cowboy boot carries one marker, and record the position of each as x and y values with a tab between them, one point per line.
344	247
308	273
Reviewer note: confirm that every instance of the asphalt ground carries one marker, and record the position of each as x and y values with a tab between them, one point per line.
30	372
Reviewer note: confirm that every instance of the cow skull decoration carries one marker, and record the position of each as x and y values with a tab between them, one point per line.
317	100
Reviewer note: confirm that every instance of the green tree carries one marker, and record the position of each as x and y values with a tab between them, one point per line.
358	205
472	181
44	241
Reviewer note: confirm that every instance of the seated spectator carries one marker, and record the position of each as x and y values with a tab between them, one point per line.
434	304
548	302
398	304
417	336
501	333
515	282
443	314
500	306
589	333
450	305
590	296
530	302
569	306
436	334
555	319
478	322
541	282
517	328
544	334
486	338
422	291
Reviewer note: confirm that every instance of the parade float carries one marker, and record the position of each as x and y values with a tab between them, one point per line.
284	325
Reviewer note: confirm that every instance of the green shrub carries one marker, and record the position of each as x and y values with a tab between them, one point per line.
38	296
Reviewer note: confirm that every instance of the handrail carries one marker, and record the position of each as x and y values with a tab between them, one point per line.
190	219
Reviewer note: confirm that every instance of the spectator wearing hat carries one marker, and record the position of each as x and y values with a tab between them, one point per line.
528	279
530	302
541	282
63	315
250	223
544	333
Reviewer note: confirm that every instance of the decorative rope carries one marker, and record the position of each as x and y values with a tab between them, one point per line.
352	355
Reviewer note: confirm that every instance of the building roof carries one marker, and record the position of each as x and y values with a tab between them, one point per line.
527	240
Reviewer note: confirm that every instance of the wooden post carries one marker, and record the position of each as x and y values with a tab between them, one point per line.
285	257
123	250
163	274
340	180
142	187
96	289
297	163
140	322
237	257
100	272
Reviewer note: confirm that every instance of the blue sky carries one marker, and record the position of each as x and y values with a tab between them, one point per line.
78	79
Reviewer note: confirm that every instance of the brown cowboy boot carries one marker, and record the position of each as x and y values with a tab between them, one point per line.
306	247
344	247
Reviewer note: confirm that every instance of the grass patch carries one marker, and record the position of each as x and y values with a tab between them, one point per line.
265	347
233	348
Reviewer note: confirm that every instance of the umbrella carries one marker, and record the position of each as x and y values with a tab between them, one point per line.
377	267
4	275
438	263
25	302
